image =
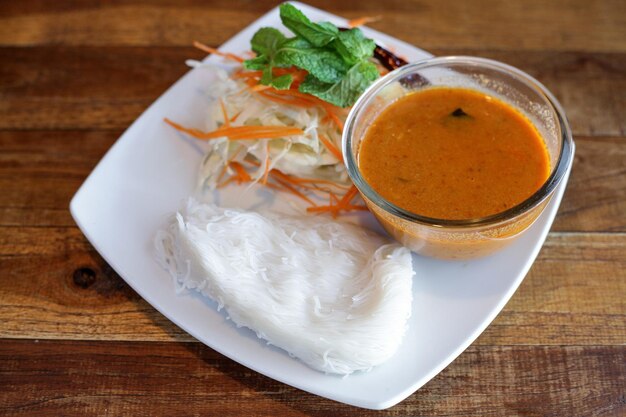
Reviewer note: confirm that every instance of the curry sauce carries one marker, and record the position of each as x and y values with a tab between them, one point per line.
454	154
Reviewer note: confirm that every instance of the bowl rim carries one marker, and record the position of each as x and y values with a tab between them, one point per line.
563	162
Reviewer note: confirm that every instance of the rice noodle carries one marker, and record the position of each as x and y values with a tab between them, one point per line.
331	294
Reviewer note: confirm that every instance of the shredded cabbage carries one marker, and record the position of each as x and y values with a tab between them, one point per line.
298	155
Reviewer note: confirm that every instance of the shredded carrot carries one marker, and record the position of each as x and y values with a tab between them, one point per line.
259	87
296	192
342	205
316	181
314	188
304	100
267	163
347	198
225	114
214	51
301	182
234	118
284	178
290	184
279	174
307	97
193	132
332	198
331	147
297	182
335	119
274	186
353	23
240	132
227	164
253	85
242	174
260	132
297	75
288	101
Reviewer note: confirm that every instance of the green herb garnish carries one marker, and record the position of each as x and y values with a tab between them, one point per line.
337	61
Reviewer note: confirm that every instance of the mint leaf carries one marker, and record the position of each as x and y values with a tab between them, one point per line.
328	27
337	61
353	46
277	51
280	83
345	92
266	78
266	41
318	34
322	63
258	63
283	82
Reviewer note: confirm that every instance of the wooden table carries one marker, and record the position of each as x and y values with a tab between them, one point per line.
76	340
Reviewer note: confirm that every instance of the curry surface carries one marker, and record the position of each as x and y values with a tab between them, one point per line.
453	153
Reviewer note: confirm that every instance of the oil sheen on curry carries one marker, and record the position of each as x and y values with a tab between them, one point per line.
454	154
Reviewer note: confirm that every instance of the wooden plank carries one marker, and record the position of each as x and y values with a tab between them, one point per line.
528	25
41	170
75	66
84	88
595	199
111	86
573	294
36	216
77	296
109	378
563	300
45	152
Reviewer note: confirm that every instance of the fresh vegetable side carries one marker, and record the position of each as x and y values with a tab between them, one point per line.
277	119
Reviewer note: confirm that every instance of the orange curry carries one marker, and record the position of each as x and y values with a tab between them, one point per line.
453	153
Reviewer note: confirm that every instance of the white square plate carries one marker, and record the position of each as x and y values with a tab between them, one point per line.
151	169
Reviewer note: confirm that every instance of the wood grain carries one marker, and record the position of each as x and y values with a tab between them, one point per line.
84	88
573	294
76	340
40	378
575	288
516	25
41	170
595	199
111	86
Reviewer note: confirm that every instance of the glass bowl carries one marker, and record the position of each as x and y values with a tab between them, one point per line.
461	239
